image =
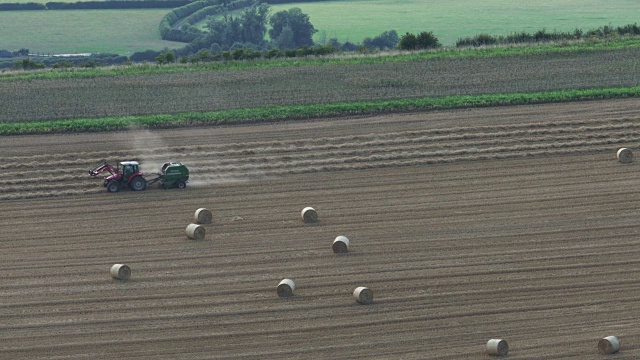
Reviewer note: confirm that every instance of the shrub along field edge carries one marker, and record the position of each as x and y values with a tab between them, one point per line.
444	53
280	113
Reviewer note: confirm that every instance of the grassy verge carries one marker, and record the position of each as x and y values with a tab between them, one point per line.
279	113
445	53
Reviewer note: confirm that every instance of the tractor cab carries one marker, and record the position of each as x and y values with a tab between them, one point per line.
129	168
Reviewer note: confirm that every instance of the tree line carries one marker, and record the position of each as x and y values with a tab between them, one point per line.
544	36
101	5
255	33
257	29
237	51
118	4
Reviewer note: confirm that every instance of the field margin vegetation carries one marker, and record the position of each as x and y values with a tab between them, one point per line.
280	113
567	47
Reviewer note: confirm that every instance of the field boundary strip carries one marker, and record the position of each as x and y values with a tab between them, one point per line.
389	57
300	112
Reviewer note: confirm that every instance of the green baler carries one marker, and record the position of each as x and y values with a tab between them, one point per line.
172	175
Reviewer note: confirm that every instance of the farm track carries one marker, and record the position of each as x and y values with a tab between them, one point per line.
513	223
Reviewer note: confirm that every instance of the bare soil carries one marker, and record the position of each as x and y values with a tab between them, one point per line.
124	95
515	223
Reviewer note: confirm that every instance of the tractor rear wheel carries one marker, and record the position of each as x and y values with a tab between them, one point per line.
138	183
113	186
181	184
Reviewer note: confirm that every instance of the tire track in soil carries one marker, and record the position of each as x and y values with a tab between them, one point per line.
265	159
528	236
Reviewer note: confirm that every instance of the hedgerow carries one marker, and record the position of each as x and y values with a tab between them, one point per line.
545	36
278	62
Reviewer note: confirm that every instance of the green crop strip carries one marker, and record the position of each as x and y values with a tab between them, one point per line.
445	53
278	113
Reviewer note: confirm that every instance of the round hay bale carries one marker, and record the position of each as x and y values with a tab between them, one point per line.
609	345
497	347
309	215
120	272
625	155
340	245
203	216
363	295
285	288
195	231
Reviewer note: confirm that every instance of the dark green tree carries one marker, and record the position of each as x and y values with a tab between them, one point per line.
386	40
299	24
28	64
424	40
249	27
165	58
285	39
408	41
254	24
62	65
224	31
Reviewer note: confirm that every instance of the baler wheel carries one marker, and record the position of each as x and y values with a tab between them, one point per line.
181	184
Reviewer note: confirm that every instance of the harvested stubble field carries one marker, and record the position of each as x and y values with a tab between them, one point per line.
513	222
318	84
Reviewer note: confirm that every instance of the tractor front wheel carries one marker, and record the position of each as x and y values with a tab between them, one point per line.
138	183
181	184
113	186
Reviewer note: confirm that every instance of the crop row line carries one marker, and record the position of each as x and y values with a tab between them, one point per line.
259	156
485	134
322	164
276	113
528	131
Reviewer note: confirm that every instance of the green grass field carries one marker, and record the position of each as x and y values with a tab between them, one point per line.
127	31
80	31
40	1
354	20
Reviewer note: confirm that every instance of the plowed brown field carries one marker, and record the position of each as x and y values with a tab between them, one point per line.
514	223
186	91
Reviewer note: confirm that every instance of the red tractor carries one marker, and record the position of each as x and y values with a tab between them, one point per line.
129	176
